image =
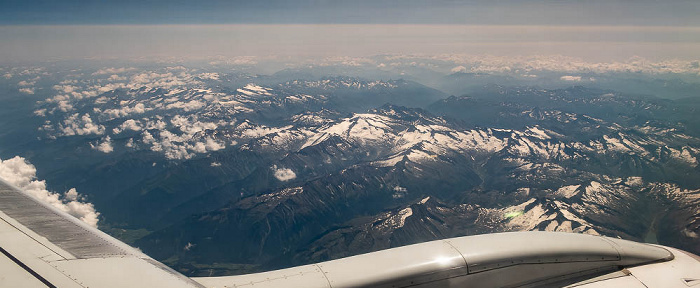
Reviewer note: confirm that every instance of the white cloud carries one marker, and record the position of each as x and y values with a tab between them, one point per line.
125	111
189	138
64	106
199	147
25	83
18	172
58	98
459	69
186	106
40	112
105	146
130	143
209	145
80	125
239	60
155	124
99	89
32	71
176	152
71	195
173	146
131	124
212	145
115	77
210	76
191	126
182	146
68	81
29	91
571	78
112	70
284	174
161	80
67	89
346	61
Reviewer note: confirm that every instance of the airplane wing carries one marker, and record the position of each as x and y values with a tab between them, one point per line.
44	247
515	259
41	246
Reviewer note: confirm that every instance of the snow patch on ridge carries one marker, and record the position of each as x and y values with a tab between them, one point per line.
568	191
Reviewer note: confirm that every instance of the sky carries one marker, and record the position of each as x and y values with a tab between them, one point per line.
595	30
482	12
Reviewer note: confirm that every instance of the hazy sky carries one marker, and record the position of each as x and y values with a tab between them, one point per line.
595	30
483	12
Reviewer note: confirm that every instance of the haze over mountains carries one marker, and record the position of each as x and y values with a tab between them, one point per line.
218	168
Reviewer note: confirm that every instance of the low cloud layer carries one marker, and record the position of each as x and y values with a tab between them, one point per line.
17	171
594	42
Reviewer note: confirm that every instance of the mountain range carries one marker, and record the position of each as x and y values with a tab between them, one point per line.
216	173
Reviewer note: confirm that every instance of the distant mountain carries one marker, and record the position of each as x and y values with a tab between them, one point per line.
503	107
355	95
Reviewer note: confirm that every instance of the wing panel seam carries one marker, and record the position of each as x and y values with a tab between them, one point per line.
324	275
26	268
